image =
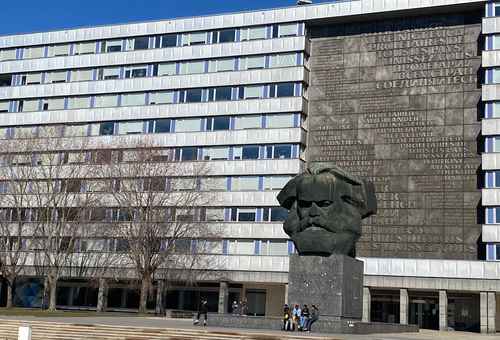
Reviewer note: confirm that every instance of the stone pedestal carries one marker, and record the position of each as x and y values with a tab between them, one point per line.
334	284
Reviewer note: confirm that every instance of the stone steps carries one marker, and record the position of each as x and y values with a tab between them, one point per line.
42	330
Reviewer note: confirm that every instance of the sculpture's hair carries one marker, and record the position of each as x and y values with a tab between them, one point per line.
363	189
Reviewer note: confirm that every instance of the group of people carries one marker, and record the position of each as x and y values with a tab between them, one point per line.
240	308
299	319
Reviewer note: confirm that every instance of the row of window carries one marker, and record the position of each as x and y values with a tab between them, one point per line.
492	215
154	184
164	125
492	179
492	144
179	246
492	9
161	215
159	41
180	154
155	70
196	95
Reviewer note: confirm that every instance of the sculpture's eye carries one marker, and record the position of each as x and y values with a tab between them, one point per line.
324	204
304	204
352	201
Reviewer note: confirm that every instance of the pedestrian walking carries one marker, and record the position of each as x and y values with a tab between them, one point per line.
202	311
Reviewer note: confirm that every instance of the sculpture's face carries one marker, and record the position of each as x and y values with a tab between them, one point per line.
326	217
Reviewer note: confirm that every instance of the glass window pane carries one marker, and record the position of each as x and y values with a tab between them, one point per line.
169	40
113	45
228	35
496	109
76	130
198	38
133	99
189	154
136	72
221	65
247	215
223	94
285	90
284	60
169	69
253	92
106	101
106	128
288	30
54	104
215	215
193	67
214	184
278	248
282	152
162	125
213	153
248	122
29	105
220	123
278	214
4	106
496	76
188	125
78	102
85	48
254	33
33	52
111	73
140	43
127	128
276	182
254	62
280	121
8	54
246	183
56	77
161	98
58	50
250	152
82	75
193	96
33	78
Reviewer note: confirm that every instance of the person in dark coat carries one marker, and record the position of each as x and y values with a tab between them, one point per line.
287	318
314	317
202	310
304	318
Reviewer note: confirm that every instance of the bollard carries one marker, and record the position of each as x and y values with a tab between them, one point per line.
24	332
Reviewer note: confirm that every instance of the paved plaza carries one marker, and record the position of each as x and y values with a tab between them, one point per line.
181	328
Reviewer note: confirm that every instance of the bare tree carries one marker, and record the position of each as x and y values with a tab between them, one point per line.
158	205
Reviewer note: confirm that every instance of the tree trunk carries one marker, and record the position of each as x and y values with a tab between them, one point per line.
146	282
52	294
10	286
159	310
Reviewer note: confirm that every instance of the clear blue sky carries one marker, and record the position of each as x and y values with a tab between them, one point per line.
23	16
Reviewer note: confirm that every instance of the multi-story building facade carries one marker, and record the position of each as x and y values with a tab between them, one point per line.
403	92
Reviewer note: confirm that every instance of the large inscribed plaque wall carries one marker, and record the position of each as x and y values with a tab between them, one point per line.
397	102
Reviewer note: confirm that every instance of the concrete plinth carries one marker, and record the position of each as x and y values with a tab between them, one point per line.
334	284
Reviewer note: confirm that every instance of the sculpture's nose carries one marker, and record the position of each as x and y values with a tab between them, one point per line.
314	210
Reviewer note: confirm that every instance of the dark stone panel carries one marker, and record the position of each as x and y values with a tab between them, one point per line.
398	101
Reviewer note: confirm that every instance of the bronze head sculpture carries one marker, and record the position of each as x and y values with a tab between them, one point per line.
326	206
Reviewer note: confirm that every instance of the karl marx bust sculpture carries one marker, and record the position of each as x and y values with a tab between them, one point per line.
326	206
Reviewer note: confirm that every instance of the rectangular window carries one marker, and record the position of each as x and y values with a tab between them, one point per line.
220	94
496	110
246	152
242	247
33	52
85	48
58	50
136	72
57	77
193	67
496	144
106	100
251	63
130	128
276	214
190	39
187	125
160	126
276	182
133	99
244	215
161	98
224	36
284	60
253	33
82	75
28	105
4	106
283	90
139	43
78	102
245	183
218	123
8	54
212	153
252	92
112	46
278	248
193	96
280	121
495	42
497	179
248	122
109	73
77	130
31	78
221	65
188	154
168	40
53	104
168	69
288	30
283	151
106	129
